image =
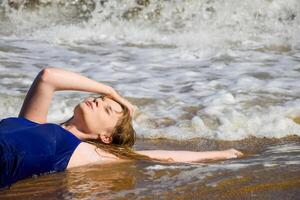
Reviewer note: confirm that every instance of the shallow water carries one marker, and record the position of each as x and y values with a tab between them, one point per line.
223	71
271	171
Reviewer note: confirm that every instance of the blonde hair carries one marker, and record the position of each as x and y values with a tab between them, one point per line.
123	139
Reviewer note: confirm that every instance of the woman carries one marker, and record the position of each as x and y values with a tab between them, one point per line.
29	145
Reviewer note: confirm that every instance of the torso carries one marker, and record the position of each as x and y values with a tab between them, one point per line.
28	148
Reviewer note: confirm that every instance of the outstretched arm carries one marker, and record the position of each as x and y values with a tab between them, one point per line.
191	156
38	99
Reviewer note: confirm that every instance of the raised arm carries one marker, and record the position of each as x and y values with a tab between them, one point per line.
191	156
38	99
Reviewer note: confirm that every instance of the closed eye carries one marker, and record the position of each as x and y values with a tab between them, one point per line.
110	109
107	110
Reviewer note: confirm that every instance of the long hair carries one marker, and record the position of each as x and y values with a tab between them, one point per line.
123	139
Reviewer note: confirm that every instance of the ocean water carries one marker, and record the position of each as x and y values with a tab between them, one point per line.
271	174
217	70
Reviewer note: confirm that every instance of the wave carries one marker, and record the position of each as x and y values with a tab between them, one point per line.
187	23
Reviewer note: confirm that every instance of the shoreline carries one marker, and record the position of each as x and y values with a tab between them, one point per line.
250	145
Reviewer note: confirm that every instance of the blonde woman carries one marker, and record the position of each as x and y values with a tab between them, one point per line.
100	131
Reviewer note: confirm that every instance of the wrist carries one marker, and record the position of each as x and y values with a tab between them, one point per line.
112	93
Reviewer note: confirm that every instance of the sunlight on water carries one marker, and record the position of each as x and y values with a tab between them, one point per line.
151	180
203	74
206	71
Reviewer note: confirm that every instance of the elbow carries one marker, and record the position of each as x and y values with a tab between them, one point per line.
46	75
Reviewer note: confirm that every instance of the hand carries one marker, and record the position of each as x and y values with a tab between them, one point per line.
114	95
128	105
233	153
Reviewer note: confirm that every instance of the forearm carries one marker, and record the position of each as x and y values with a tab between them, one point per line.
38	99
186	156
60	79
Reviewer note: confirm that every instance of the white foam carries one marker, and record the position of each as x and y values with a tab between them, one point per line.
215	69
197	24
292	162
162	167
284	148
270	165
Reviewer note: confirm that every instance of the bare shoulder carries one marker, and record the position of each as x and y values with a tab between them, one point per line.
86	153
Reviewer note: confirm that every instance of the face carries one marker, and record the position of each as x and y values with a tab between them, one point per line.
98	115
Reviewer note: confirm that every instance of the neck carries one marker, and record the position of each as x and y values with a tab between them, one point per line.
75	129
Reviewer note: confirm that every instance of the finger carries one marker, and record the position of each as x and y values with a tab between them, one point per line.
239	154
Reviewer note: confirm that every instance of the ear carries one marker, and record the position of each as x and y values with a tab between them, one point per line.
105	138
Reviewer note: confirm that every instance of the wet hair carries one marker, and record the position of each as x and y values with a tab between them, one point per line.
123	139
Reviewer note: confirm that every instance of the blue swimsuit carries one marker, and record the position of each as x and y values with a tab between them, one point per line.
28	148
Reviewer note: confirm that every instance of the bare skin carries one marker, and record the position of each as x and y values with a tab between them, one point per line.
104	111
85	154
89	113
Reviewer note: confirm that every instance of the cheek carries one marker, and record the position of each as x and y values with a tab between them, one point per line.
86	119
101	122
111	123
93	122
